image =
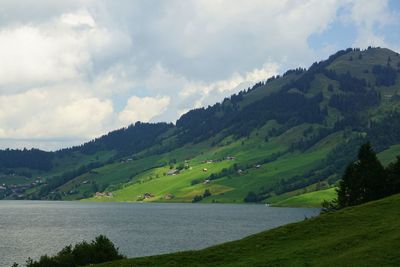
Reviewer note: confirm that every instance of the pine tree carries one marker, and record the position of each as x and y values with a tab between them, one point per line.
371	174
363	181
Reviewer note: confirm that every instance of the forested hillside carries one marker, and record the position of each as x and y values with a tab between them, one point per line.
288	135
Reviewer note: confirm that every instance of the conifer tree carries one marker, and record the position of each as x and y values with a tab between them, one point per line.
363	181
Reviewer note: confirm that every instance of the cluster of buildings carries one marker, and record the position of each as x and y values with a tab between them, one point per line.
126	160
104	194
17	190
218	160
144	196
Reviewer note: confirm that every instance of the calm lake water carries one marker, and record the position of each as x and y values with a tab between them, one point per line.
34	228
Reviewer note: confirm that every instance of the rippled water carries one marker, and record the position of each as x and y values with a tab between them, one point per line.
34	228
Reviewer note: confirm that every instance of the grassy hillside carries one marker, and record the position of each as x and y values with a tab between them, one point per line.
367	235
290	135
277	162
231	188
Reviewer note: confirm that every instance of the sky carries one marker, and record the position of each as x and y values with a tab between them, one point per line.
74	70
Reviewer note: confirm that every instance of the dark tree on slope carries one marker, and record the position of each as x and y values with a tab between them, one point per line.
364	180
393	177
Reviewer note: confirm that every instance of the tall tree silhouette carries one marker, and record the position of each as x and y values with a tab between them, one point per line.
364	180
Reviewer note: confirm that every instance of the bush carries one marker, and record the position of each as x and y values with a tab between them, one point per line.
206	193
99	250
197	198
196	181
252	197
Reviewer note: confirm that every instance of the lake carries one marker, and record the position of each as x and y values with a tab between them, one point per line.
34	228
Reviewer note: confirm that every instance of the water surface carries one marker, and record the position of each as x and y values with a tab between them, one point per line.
34	228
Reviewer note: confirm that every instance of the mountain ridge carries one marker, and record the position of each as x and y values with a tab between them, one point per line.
342	100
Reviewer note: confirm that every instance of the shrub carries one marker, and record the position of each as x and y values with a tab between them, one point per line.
99	250
197	198
206	193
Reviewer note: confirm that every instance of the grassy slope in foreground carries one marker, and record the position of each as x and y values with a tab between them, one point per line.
367	235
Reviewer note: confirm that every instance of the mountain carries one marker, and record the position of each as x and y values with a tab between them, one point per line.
290	135
366	235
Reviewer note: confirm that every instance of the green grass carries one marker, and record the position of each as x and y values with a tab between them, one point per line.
367	235
312	199
389	155
227	189
143	176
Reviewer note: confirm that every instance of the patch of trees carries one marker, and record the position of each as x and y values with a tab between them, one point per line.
366	179
271	158
349	83
303	83
196	181
354	102
301	181
297	71
307	142
384	75
286	108
33	158
353	121
225	172
198	198
253	197
355	97
98	251
126	141
385	132
334	163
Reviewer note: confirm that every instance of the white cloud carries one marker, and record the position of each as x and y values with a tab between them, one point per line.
61	50
78	19
369	17
44	113
143	109
210	92
76	69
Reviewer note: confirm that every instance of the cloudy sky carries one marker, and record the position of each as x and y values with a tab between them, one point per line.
74	70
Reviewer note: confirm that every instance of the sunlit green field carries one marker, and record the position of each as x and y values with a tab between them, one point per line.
232	188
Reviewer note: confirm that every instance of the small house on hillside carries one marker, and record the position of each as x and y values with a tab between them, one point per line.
172	172
168	196
147	195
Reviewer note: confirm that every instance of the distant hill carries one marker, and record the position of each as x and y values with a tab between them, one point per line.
289	135
366	235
